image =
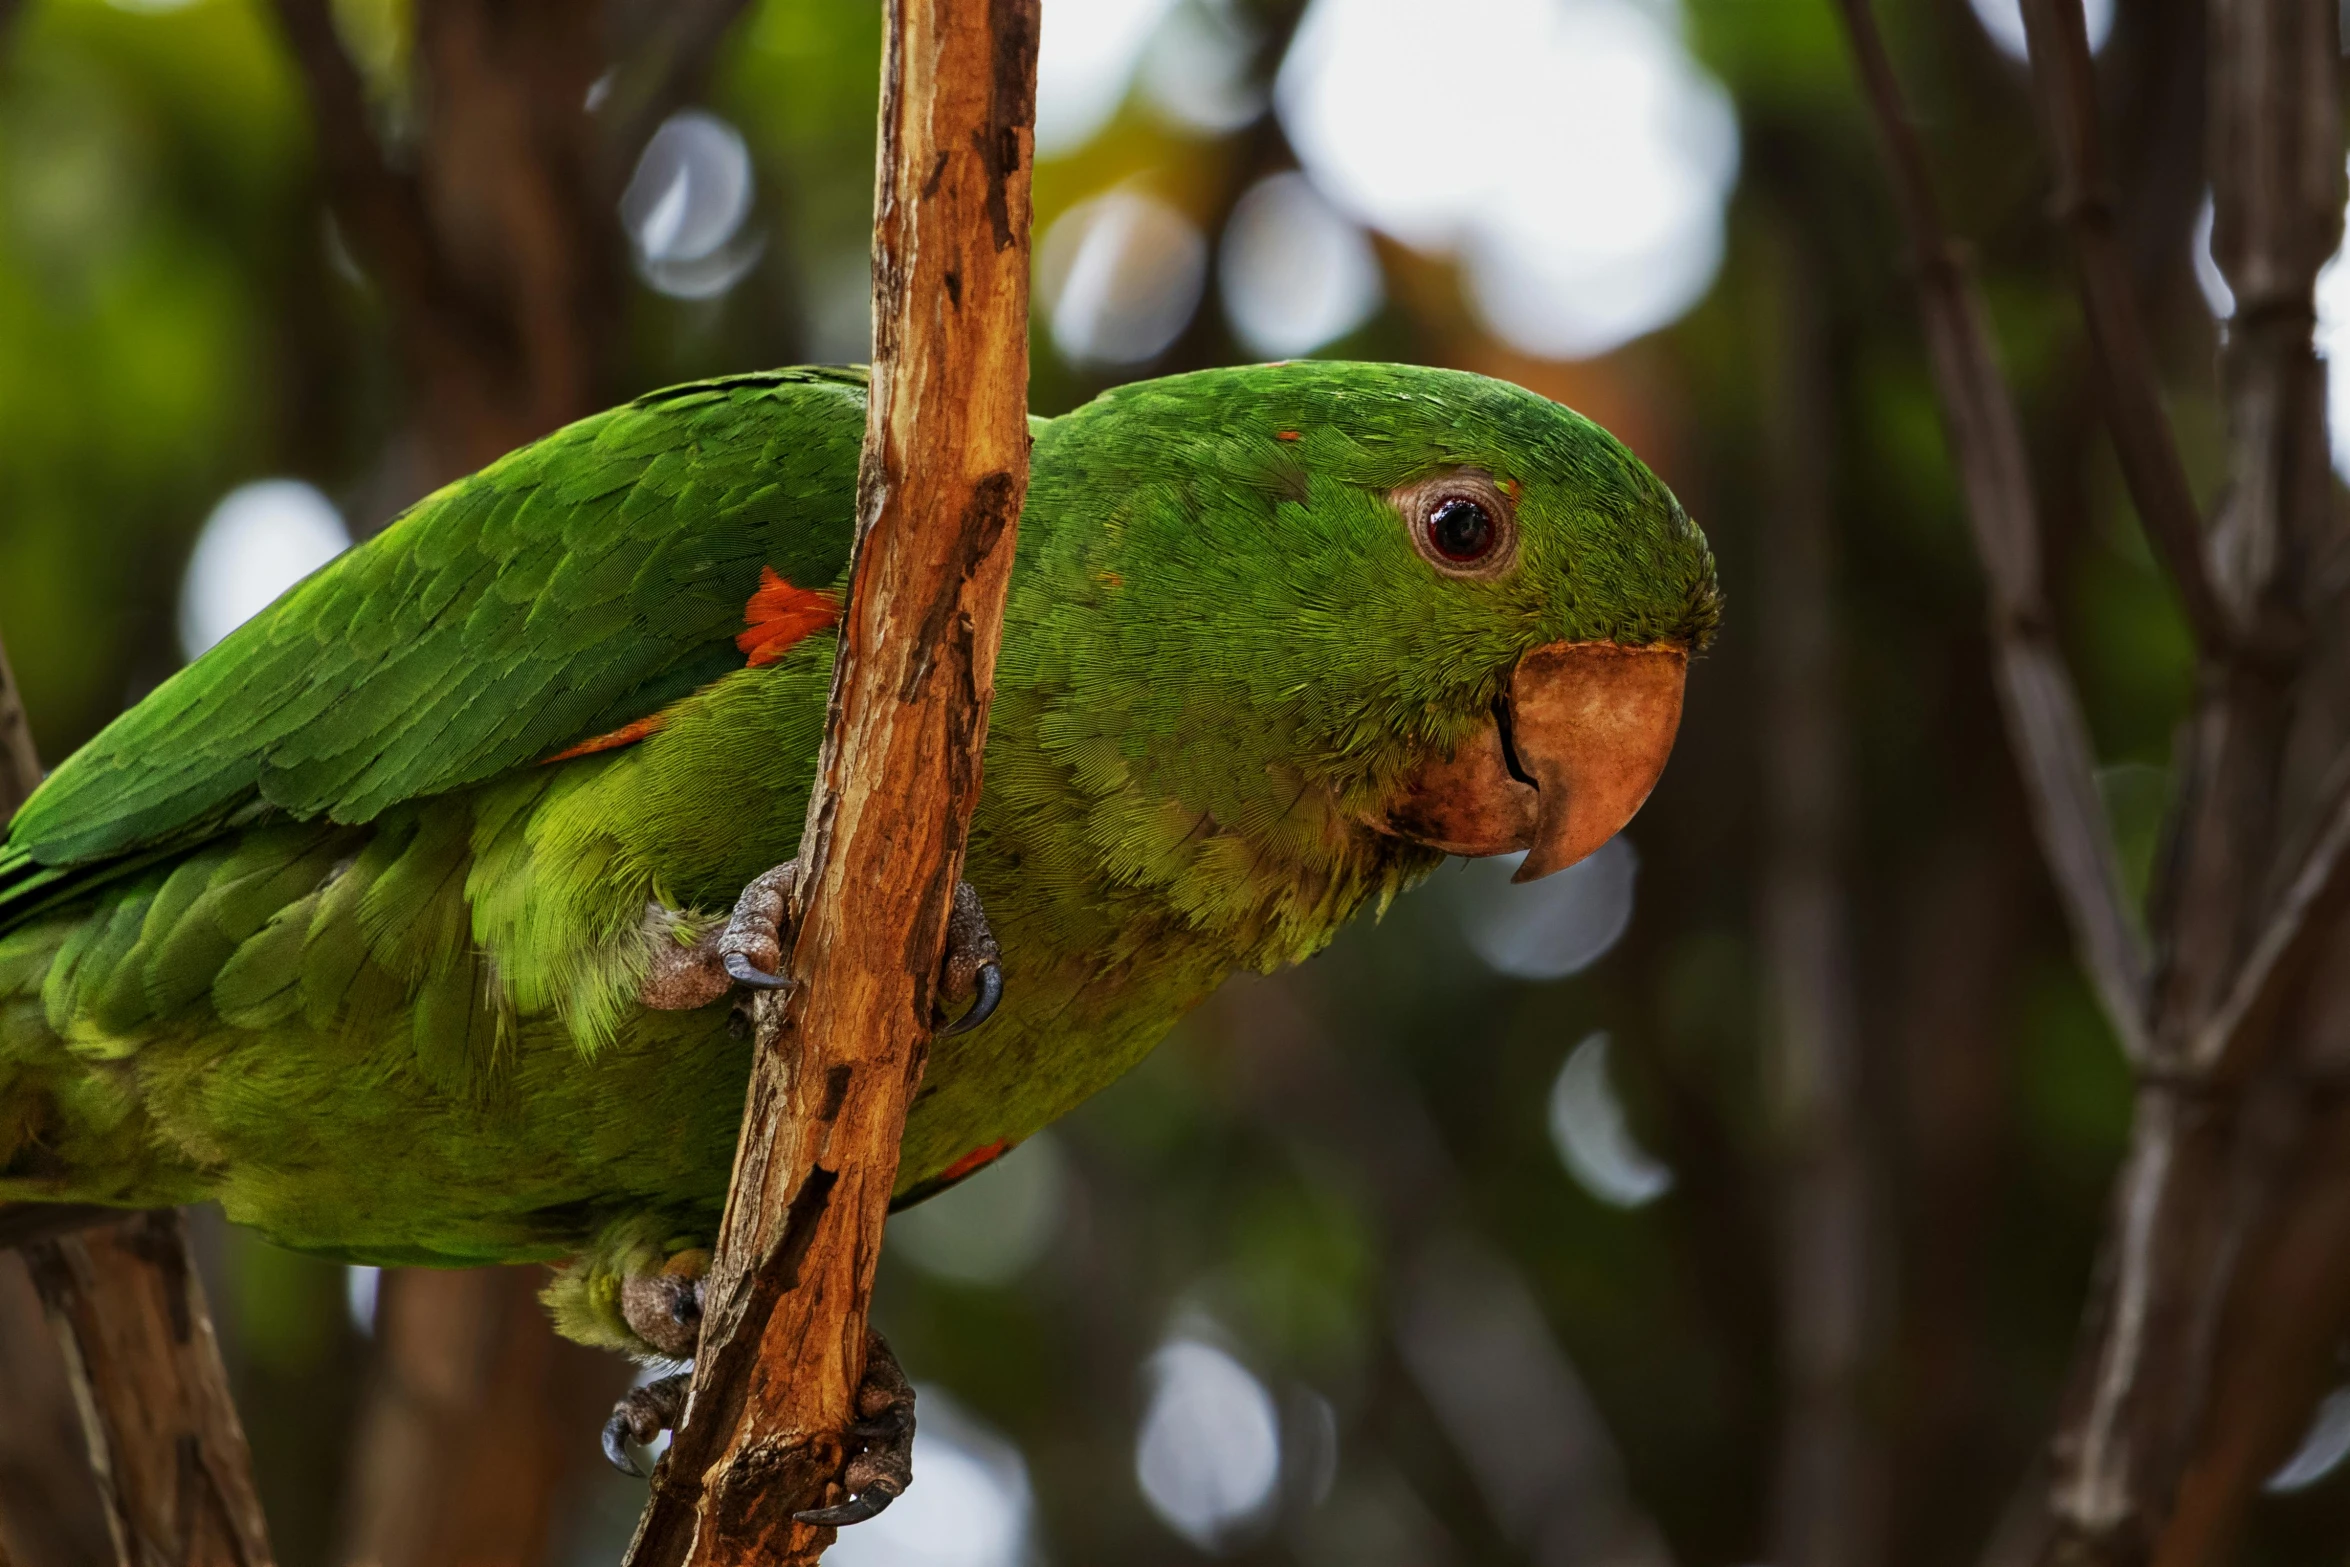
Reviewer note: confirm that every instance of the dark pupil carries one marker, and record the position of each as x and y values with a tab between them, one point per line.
1460	530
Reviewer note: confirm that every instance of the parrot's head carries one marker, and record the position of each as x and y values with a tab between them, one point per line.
1454	609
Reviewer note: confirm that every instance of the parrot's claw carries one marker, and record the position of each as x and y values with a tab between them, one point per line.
748	950
867	1504
757	933
974	963
991	991
742	971
879	1474
641	1417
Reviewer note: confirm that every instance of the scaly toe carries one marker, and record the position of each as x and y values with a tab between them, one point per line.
879	1474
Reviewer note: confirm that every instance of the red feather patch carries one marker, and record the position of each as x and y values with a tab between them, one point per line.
626	734
978	1158
780	616
777	618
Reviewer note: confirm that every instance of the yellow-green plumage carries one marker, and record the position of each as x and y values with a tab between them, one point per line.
317	929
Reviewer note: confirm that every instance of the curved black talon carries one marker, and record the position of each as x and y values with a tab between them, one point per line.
855	1510
991	991
616	1434
745	972
641	1416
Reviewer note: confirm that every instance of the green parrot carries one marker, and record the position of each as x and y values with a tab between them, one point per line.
407	922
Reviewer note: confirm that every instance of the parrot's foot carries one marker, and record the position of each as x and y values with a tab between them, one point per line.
641	1417
748	950
884	1435
973	971
665	1308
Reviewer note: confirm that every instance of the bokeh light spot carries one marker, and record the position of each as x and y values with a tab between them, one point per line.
1209	1451
1296	273
362	1286
2322	1449
1593	1137
259	541
2003	21
1085	59
1121	274
969	1506
1195	71
685	206
1581	181
1554	927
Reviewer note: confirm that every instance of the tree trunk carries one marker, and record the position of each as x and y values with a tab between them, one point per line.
479	1425
495	242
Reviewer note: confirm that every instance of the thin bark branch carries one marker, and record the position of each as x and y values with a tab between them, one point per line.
2043	709
944	472
2181	1364
174	1473
172	1466
2143	440
2295	933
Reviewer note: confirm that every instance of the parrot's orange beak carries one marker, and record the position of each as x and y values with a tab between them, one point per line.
1572	750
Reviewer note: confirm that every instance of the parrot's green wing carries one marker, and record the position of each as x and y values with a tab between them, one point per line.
569	589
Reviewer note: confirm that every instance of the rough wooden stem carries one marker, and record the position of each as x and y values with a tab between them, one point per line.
2066	84
2036	691
172	1466
944	471
174	1473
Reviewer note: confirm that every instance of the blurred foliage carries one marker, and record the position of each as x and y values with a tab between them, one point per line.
176	317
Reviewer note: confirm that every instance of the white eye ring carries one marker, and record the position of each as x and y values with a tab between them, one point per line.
1461	522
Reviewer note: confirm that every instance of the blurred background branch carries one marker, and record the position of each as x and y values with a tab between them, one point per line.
2223	1152
162	1455
1829	1492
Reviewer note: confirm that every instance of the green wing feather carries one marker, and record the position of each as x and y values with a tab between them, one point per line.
583	582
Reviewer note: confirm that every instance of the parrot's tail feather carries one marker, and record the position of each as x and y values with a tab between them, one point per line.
71	1130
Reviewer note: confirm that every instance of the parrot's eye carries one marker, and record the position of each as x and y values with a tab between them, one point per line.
1460	529
1461	523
